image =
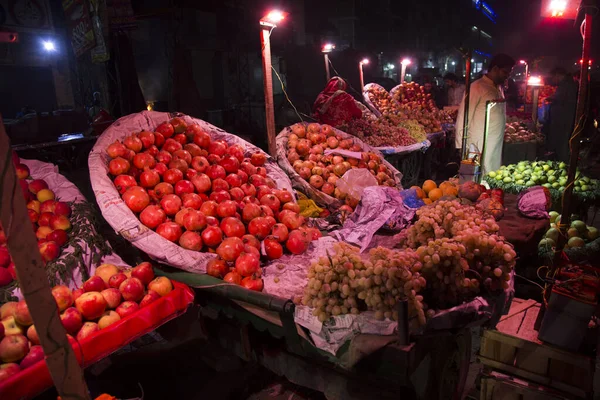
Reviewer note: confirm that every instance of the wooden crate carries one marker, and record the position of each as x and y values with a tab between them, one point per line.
496	386
515	349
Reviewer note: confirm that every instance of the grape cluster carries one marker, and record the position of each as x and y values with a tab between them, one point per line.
345	283
379	133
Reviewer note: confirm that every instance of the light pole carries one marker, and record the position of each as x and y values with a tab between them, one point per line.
404	63
535	82
327	48
526	68
360	70
268	23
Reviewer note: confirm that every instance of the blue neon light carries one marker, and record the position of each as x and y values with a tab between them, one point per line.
481	53
486	10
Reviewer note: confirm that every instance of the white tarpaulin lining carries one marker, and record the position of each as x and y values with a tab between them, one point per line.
124	221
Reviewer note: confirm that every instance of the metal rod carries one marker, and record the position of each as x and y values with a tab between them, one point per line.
327	73
464	149
362	78
268	85
403	73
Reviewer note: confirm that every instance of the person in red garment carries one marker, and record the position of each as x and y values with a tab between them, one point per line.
334	106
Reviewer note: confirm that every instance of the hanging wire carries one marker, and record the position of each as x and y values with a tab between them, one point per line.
530	281
346	80
286	95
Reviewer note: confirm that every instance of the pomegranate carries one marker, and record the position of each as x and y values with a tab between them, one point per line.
291	219
200	163
273	248
180	214
227	208
152	216
190	173
118	166
171	203
165	129
259	227
328	188
243	176
247	264
171	145
303	147
236	194
202	140
248	168
179	125
236	151
280	232
212	236
216	171
232	227
124	182
202	183
136	198
299	130
218	148
216	268
271	201
233	277
161	168
159	139
220	196
193	149
143	160
191	241
183	186
266	211
250	240
209	208
169	230
230	164
219	184
250	199
258	159
133	143
283	195
249	189
251	211
191	200
163	189
263	190
180	164
172	176
297	242
149	178
230	249
116	149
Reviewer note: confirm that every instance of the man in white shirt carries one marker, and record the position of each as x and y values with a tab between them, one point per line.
489	87
456	90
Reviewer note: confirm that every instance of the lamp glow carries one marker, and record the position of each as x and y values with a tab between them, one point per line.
273	18
328	47
523	62
406	61
49	45
535	81
364	61
558	7
453	63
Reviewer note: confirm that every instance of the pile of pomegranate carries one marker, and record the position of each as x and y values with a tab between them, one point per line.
306	147
208	196
49	219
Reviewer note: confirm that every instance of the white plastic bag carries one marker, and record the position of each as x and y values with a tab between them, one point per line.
354	182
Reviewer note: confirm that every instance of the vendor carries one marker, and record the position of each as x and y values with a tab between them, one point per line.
561	118
488	87
334	106
456	90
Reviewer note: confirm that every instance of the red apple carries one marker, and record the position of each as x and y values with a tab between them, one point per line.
150	297
22	171
49	251
36	185
49	206
60	222
63	297
77	293
91	305
42	232
161	285
106	271
144	272
5	277
132	289
58	236
45	194
11	327
22	315
8	370
62	208
107	319
35	206
127	308
45	218
116	280
94	284
88	329
8	309
13	348
112	297
71	320
32	335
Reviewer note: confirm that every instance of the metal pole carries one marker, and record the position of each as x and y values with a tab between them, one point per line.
535	95
403	73
268	84
565	219
362	78
464	150
526	70
327	74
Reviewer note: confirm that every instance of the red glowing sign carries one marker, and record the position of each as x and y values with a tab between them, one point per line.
560	9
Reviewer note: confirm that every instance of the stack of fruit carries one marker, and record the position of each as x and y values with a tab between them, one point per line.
107	297
430	192
208	196
550	174
517	132
306	146
579	234
379	133
381	99
546	91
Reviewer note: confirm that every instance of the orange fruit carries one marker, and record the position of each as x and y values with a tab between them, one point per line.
450	191
429	185
427	201
435	194
420	193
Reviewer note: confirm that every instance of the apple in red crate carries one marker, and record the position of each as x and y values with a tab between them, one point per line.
48	206
7	309
22	315
127	308
32	335
22	171
77	292
71	320
60	222
150	297
144	272
11	327
112	297
91	305
107	319
88	329
94	284
106	271
58	236
161	285
4	257
36	353
13	348
36	185
42	232
5	277
62	208
45	195
49	250
132	289
63	297
8	370
116	280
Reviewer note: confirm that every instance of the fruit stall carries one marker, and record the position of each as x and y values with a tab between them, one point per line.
316	262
